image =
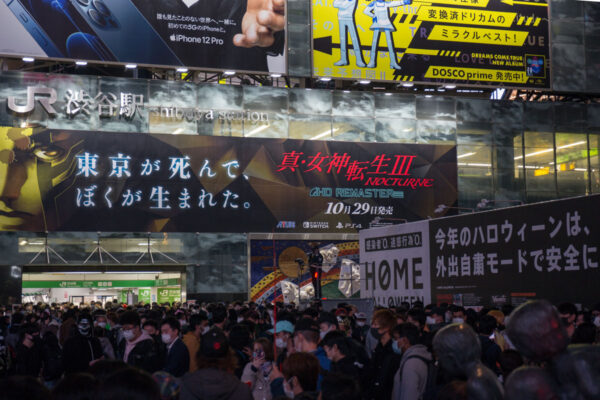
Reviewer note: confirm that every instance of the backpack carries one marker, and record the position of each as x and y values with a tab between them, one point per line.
430	392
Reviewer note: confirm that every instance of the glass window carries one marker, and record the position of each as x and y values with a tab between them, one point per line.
595	162
303	101
572	163
309	127
353	129
392	105
435	131
473	110
390	130
473	132
266	99
354	104
275	127
436	108
474	156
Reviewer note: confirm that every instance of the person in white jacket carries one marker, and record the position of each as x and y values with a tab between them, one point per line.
346	9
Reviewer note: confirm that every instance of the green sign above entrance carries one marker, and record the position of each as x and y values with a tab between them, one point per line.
100	284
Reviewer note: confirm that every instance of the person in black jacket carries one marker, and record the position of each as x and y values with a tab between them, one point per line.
343	360
178	357
379	378
137	347
51	355
490	351
29	354
82	348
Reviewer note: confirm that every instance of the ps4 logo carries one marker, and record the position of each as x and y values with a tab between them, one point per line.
45	96
286	224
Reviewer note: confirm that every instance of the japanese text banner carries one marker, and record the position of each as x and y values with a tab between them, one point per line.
98	181
547	250
476	42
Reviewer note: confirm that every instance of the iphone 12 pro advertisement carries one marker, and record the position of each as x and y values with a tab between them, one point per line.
242	35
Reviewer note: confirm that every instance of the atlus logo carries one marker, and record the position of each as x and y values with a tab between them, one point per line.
286	224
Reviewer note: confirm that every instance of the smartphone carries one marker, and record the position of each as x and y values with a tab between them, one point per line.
59	29
34	29
125	31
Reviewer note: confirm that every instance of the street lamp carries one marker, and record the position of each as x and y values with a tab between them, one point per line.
486	203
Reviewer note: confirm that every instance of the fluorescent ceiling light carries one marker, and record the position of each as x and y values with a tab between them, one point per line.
131	66
81	63
346	91
325	79
428	95
535	153
465	155
177	131
229	73
256	130
388	94
275	75
450	87
408	84
323	134
478	165
182	70
28	59
364	82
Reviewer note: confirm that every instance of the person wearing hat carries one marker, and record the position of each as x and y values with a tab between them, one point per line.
214	378
29	356
360	328
315	263
284	342
82	348
52	355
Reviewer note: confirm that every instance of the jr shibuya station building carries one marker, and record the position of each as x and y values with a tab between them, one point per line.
167	169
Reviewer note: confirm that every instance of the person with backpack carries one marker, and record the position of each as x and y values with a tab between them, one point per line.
415	378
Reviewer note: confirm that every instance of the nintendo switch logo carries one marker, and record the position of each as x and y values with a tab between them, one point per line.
189	3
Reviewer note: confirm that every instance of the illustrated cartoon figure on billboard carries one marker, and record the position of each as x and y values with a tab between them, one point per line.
346	10
378	10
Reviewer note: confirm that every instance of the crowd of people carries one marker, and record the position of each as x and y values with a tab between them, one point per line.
266	352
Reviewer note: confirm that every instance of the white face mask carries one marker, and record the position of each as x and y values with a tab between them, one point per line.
280	343
101	324
597	321
298	347
183	322
128	335
205	329
166	338
457	320
240	319
322	334
360	323
430	321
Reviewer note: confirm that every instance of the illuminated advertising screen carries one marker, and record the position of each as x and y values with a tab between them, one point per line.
475	42
242	35
56	180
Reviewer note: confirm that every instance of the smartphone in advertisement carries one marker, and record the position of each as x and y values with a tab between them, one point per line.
34	29
125	31
59	29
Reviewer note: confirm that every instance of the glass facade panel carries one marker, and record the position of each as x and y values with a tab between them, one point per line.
595	162
310	127
572	163
390	130
352	129
388	105
473	132
436	131
353	104
474	156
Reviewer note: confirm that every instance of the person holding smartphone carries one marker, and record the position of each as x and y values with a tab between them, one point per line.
257	371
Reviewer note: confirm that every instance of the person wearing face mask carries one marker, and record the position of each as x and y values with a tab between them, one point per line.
138	349
198	327
379	379
257	371
283	332
29	352
82	349
306	339
361	328
458	315
568	314
411	378
327	323
436	320
298	379
177	362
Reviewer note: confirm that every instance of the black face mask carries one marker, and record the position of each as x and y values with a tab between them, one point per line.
375	333
565	322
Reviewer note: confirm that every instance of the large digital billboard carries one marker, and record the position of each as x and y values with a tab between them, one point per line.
241	35
474	42
56	180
